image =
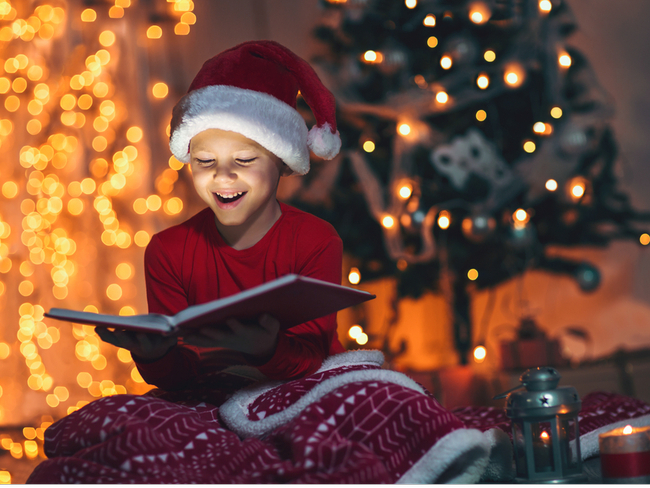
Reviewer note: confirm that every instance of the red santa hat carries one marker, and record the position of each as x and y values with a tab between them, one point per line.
251	89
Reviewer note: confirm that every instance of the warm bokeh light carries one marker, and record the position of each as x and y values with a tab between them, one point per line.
442	97
160	90
481	115
88	15
354	276
154	32
551	185
388	221
564	60
483	81
362	339
545	5
529	147
444	219
446	62
355	331
480	353
429	20
627	430
368	146
107	38
644	239
521	216
578	189
405	190
472	274
404	129
556	112
411	3
432	41
489	56
370	56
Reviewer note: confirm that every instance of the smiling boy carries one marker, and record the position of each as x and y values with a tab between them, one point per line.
240	132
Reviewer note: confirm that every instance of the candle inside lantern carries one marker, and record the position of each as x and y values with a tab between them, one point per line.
625	454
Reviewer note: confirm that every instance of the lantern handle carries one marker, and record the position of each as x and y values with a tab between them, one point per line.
505	393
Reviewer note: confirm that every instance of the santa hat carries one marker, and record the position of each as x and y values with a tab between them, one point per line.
251	89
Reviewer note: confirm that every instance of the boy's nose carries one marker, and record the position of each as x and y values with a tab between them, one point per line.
224	171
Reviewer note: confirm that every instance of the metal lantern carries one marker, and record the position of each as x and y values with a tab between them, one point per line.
544	420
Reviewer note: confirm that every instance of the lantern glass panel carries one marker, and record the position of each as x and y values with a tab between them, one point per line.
568	433
520	449
543	447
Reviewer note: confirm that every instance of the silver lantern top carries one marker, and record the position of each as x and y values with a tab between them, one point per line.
541	397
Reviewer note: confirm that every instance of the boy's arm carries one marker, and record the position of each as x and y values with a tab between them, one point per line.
302	349
179	367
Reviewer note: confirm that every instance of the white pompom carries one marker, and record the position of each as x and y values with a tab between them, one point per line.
323	142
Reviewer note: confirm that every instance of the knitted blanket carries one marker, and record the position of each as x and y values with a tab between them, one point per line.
350	422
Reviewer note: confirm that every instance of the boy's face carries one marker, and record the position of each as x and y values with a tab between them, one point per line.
236	177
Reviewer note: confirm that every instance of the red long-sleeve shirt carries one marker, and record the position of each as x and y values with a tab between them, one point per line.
190	263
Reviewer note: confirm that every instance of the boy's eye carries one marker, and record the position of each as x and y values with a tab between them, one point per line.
204	161
245	161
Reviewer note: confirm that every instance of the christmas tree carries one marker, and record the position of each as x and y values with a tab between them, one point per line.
474	138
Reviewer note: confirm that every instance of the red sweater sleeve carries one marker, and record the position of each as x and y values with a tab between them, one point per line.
302	349
180	366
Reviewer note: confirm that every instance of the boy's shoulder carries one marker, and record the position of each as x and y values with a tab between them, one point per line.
305	224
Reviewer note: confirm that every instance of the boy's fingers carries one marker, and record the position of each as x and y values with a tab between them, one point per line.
269	323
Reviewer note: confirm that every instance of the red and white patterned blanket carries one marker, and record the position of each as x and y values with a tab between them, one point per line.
350	422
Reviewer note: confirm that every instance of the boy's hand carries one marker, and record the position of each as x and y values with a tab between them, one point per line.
145	346
258	340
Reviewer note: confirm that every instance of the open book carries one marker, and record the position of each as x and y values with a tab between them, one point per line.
291	299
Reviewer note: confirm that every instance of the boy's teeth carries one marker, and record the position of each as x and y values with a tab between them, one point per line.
233	195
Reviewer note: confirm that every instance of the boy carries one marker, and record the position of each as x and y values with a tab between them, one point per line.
239	130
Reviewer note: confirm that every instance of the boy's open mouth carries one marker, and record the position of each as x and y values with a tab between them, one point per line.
229	198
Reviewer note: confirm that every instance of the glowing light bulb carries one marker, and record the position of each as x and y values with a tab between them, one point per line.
442	97
627	429
355	331
432	42
529	147
545	6
556	112
362	339
446	62
483	82
481	115
88	15
578	189
476	17
154	32
479	354
388	222
160	90
404	129
370	56
512	78
444	220
489	56
539	127
369	146
429	20
411	3
405	191
551	185
564	60
354	276
520	215
472	274
544	435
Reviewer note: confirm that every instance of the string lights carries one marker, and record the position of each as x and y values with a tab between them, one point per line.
73	202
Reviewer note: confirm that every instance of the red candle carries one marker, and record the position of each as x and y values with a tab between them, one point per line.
625	454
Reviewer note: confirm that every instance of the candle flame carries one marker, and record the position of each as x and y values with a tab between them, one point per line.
627	429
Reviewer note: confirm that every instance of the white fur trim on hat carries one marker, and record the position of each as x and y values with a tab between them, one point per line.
263	118
323	142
